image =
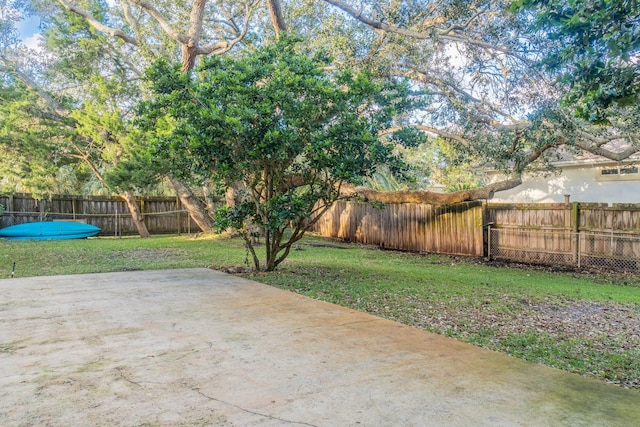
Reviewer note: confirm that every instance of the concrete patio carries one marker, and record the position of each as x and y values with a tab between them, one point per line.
197	347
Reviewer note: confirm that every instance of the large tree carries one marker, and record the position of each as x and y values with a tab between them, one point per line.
61	124
92	42
476	62
473	62
29	158
292	133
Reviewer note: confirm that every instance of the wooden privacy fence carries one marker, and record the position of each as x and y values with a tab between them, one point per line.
455	229
162	215
579	234
575	234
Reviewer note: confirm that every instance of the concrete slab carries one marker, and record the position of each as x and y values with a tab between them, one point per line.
197	347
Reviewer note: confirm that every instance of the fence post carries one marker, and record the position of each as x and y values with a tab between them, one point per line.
10	210
575	216
579	239
575	228
142	214
178	216
489	242
481	221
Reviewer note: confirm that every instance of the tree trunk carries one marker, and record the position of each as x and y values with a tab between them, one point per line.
196	209
277	20
230	196
233	194
210	206
190	48
136	216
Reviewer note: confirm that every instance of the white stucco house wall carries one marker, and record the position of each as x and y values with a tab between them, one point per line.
584	180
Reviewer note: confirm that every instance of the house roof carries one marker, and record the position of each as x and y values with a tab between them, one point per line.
567	156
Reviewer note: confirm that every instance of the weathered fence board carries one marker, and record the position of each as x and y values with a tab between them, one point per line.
536	233
455	229
532	233
569	234
620	218
162	215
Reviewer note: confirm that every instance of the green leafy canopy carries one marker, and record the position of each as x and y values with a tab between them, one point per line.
278	122
593	50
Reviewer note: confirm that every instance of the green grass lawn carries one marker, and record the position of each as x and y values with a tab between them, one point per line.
583	323
104	254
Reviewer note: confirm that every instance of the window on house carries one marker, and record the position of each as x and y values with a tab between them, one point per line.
622	173
629	170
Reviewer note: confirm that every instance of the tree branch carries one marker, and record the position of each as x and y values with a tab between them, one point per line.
126	8
55	106
115	32
447	88
224	47
535	154
429	197
600	141
376	24
429	129
166	27
84	156
455	28
609	154
420	35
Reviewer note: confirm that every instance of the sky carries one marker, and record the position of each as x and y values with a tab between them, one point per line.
29	31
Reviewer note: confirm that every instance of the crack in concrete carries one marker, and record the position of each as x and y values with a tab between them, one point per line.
136	383
197	390
12	346
127	379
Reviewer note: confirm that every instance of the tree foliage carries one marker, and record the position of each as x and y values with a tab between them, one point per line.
274	121
594	49
30	154
473	63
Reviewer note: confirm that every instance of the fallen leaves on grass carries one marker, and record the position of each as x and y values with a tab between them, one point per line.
600	340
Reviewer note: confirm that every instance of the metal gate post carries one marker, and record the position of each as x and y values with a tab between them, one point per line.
579	246
489	242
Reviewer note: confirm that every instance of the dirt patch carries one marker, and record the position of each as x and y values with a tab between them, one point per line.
232	269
